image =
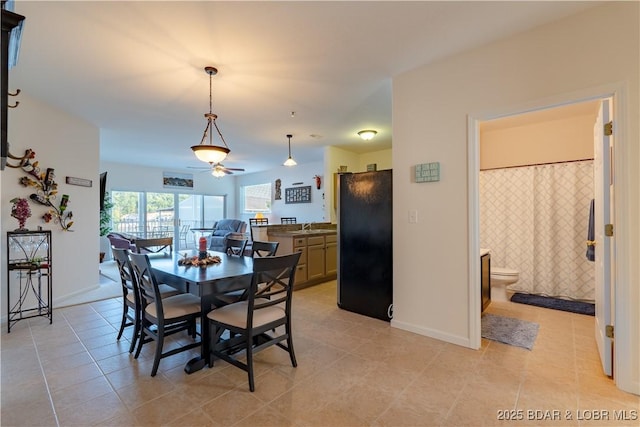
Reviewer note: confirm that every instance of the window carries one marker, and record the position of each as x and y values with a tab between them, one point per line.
257	198
158	214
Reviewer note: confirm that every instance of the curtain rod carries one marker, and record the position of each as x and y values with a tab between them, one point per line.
537	164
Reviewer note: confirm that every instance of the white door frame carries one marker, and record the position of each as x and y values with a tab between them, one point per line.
622	289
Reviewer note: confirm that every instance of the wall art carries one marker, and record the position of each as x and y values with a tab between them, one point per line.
298	194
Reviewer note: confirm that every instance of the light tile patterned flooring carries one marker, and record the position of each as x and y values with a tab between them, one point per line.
353	371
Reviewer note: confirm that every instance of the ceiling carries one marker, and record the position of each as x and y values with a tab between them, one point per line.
321	71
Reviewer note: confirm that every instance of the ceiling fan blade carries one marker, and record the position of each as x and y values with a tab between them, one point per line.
200	167
235	169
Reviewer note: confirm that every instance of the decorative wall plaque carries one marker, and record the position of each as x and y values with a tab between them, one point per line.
298	195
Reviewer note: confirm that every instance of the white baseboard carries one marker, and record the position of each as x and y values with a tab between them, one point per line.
432	333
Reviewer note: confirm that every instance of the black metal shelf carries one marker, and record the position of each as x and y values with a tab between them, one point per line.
29	273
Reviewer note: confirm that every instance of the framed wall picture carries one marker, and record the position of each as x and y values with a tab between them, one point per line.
177	180
298	194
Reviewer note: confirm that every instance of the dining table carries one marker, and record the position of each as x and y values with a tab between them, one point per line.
232	273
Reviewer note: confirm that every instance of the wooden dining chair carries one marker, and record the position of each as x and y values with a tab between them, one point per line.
256	221
131	306
260	321
235	246
262	249
161	317
258	250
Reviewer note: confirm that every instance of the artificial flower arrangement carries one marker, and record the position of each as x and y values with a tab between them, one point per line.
21	211
196	261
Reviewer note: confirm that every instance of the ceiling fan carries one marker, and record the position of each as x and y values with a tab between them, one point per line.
218	169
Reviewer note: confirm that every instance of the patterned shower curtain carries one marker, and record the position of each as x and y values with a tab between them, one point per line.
535	219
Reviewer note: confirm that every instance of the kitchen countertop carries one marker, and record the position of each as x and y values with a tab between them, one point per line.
302	233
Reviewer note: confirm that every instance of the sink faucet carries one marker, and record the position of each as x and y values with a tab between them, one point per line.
306	226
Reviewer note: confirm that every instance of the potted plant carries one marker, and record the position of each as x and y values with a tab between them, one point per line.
105	225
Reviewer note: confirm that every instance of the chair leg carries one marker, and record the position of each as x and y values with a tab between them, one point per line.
136	333
292	354
193	329
159	345
140	342
123	322
252	386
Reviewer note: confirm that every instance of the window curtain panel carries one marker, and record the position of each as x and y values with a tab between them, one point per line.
535	219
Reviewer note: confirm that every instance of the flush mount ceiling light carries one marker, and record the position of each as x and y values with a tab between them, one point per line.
290	161
208	152
368	134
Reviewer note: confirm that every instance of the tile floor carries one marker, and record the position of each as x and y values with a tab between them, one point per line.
353	371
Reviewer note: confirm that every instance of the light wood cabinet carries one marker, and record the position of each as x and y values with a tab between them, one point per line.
315	258
318	262
331	255
299	245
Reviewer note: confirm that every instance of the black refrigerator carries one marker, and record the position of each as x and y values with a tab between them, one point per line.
365	263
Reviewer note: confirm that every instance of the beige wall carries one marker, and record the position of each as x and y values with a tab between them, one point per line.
70	146
549	141
555	63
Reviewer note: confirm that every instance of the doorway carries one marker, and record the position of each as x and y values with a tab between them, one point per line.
474	220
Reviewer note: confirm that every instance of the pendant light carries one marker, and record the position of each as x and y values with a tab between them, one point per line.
290	161
208	152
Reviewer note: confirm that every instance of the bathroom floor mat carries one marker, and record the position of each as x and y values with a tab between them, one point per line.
555	303
508	330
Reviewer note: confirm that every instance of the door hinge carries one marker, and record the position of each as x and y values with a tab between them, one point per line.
608	230
609	331
608	129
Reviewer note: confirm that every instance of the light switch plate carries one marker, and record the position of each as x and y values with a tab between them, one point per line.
413	216
427	172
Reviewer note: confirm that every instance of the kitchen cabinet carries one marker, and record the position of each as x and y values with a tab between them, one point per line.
315	258
299	245
331	254
318	259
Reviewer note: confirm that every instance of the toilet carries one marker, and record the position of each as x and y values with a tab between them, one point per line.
501	278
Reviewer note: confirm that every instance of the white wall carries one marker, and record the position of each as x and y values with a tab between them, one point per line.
304	173
126	177
70	146
563	60
122	176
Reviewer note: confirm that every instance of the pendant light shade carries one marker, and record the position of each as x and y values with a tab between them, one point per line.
290	161
208	152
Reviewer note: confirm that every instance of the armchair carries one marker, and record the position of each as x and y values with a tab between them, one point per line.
224	229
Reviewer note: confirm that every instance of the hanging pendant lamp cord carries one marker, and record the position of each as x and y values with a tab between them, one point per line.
210	119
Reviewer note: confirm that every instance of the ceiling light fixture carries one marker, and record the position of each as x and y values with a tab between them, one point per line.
218	172
208	152
367	135
290	161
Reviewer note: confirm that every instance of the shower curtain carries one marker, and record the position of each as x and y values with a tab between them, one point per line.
534	219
